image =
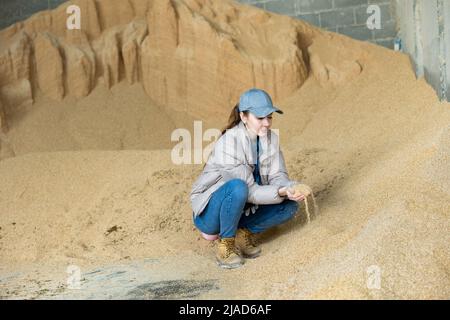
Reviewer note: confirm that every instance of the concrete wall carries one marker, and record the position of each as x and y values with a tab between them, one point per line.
12	11
424	27
446	49
348	17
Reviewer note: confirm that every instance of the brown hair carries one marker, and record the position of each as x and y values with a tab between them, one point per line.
233	119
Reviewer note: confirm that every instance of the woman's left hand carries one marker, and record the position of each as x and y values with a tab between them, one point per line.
295	195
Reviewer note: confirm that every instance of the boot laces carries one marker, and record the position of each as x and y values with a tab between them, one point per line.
230	246
249	238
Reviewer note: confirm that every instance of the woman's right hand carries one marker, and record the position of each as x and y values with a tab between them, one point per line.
295	195
291	194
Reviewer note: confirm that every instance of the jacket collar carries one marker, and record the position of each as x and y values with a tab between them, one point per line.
246	140
266	138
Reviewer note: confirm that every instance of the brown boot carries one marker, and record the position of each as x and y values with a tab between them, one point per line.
228	255
246	243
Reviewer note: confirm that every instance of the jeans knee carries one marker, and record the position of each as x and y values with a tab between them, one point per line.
239	190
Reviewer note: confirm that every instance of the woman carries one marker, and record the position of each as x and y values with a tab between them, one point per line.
243	189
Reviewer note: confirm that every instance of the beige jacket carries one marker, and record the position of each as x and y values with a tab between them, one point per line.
233	158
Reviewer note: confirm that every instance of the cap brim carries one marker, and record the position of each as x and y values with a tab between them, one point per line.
279	111
266	112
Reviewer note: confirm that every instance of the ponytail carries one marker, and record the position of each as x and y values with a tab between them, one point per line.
233	119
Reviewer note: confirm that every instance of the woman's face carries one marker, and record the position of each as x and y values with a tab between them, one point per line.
259	126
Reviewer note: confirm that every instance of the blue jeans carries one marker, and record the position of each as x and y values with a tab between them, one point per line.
223	214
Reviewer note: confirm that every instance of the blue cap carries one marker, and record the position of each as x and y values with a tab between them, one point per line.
258	102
